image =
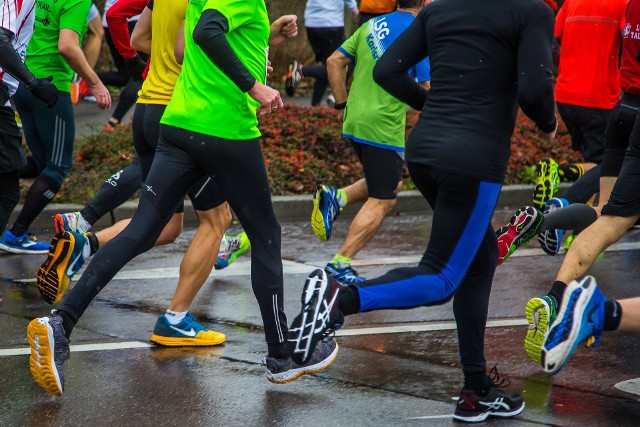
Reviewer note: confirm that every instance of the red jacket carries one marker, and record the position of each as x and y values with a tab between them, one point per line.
117	16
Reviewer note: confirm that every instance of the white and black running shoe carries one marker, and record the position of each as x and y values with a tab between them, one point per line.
282	371
318	317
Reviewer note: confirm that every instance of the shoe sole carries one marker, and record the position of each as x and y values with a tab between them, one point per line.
52	280
485	415
41	362
529	231
186	342
303	333
544	187
58	224
317	220
546	242
13	250
537	313
554	359
294	374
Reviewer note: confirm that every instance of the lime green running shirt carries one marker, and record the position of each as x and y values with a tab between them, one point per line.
43	57
205	100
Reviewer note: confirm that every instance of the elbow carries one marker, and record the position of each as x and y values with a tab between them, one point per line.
179	55
136	44
67	49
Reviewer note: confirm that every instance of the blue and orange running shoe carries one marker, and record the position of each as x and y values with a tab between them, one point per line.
325	210
66	257
186	333
580	319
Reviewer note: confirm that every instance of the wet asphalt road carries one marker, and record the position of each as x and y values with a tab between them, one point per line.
394	367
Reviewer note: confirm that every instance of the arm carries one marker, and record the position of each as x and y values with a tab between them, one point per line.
141	36
535	77
117	17
352	6
390	71
92	43
209	35
68	46
283	28
178	51
337	65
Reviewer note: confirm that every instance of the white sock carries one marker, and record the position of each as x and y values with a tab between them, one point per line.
175	317
83	225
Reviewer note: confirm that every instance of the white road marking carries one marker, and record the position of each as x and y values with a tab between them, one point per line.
83	347
630	386
431	417
425	327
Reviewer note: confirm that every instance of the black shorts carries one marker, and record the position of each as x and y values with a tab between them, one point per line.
11	155
324	41
625	196
618	133
382	170
205	194
586	126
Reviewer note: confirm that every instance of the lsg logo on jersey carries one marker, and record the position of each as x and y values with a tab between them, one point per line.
629	32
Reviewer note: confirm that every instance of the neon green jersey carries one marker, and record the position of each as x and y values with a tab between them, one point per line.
205	100
43	57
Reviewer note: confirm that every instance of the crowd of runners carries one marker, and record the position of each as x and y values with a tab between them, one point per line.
466	65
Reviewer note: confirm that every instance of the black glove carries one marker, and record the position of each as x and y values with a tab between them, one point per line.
4	94
45	91
135	66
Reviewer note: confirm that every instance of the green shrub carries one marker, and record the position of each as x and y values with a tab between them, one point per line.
302	147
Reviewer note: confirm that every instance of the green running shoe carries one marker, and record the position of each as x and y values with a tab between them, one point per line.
540	313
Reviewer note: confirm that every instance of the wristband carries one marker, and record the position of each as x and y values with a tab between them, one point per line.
339	106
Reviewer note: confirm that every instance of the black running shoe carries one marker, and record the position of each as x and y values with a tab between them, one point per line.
318	317
473	408
282	371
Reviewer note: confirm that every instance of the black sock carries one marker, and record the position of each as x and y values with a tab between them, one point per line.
612	315
278	350
556	292
349	300
479	382
67	323
94	244
38	197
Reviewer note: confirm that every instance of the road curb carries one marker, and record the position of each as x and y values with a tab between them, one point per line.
287	208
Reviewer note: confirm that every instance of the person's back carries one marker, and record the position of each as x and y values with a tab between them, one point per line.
374	115
164	70
589	35
476	50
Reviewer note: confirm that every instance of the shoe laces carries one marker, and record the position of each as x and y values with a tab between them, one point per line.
497	380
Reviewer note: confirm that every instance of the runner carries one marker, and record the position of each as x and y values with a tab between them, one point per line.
375	124
485	59
202	135
50	132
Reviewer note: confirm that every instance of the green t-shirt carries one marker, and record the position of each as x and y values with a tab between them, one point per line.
373	116
43	57
205	100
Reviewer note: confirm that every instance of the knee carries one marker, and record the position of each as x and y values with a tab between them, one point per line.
382	205
171	231
56	173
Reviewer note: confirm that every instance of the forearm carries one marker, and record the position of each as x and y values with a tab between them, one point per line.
209	35
10	61
74	56
337	72
117	17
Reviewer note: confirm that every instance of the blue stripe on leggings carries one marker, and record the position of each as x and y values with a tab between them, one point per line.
429	288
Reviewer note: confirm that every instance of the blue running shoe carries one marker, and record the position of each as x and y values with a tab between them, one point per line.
345	276
25	244
187	333
231	247
551	240
66	257
325	210
580	319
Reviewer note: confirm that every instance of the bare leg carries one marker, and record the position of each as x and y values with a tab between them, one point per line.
630	321
201	256
590	243
365	224
169	234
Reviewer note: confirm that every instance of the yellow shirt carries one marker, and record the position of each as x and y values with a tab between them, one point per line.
166	20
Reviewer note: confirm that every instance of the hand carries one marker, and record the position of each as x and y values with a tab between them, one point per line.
45	91
355	13
283	28
547	136
135	66
268	98
103	98
269	68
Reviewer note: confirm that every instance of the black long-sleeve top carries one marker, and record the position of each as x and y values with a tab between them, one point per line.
486	57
